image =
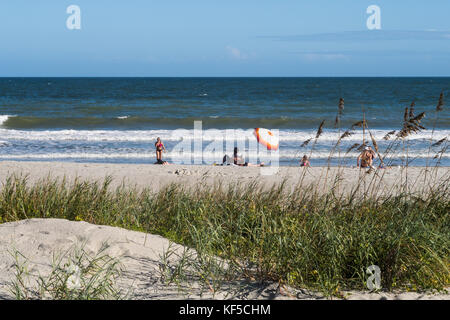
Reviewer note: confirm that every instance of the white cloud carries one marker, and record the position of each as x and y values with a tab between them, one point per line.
236	53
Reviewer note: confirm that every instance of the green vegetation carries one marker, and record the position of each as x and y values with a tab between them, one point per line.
75	275
301	238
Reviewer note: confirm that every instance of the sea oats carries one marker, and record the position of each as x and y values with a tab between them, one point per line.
336	121
341	106
419	117
346	134
362	146
440	104
388	135
340	111
359	124
411	110
439	142
305	143
374	142
405	115
320	129
352	147
411	125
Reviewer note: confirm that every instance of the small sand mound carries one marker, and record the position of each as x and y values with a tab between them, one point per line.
140	256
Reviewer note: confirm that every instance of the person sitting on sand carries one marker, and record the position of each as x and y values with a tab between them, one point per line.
239	161
159	150
226	161
365	159
305	162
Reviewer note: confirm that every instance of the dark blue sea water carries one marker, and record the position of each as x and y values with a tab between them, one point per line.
118	119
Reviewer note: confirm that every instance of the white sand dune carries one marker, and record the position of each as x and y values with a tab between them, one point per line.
139	253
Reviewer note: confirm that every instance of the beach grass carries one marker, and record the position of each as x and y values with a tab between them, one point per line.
75	275
300	238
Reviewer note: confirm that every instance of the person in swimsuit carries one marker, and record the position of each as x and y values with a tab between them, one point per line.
237	159
159	149
365	159
305	162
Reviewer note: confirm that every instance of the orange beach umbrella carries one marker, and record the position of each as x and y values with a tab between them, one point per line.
266	138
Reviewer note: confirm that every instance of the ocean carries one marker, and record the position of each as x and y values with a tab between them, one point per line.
117	120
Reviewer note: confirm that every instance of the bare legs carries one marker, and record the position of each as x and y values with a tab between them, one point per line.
158	155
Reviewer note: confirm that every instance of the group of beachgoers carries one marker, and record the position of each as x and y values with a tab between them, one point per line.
364	160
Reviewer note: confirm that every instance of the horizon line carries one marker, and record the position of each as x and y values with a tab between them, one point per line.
322	76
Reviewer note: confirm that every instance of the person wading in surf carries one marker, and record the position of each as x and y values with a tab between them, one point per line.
159	150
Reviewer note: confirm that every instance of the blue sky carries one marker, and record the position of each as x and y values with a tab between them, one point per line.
224	38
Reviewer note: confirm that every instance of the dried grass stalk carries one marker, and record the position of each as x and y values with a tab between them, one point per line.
341	106
340	111
418	118
439	142
346	134
388	135
320	129
374	142
362	146
411	110
440	105
359	124
305	143
352	147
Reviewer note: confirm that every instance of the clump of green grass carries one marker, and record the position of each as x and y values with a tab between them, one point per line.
301	238
75	275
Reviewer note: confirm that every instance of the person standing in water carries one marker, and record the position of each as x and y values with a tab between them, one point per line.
159	150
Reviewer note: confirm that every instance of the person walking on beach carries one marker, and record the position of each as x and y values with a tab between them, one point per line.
159	150
365	159
305	162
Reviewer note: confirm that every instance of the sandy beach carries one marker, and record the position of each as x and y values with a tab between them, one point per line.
156	177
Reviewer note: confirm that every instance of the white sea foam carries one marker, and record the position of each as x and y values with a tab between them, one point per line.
287	136
291	154
3	118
